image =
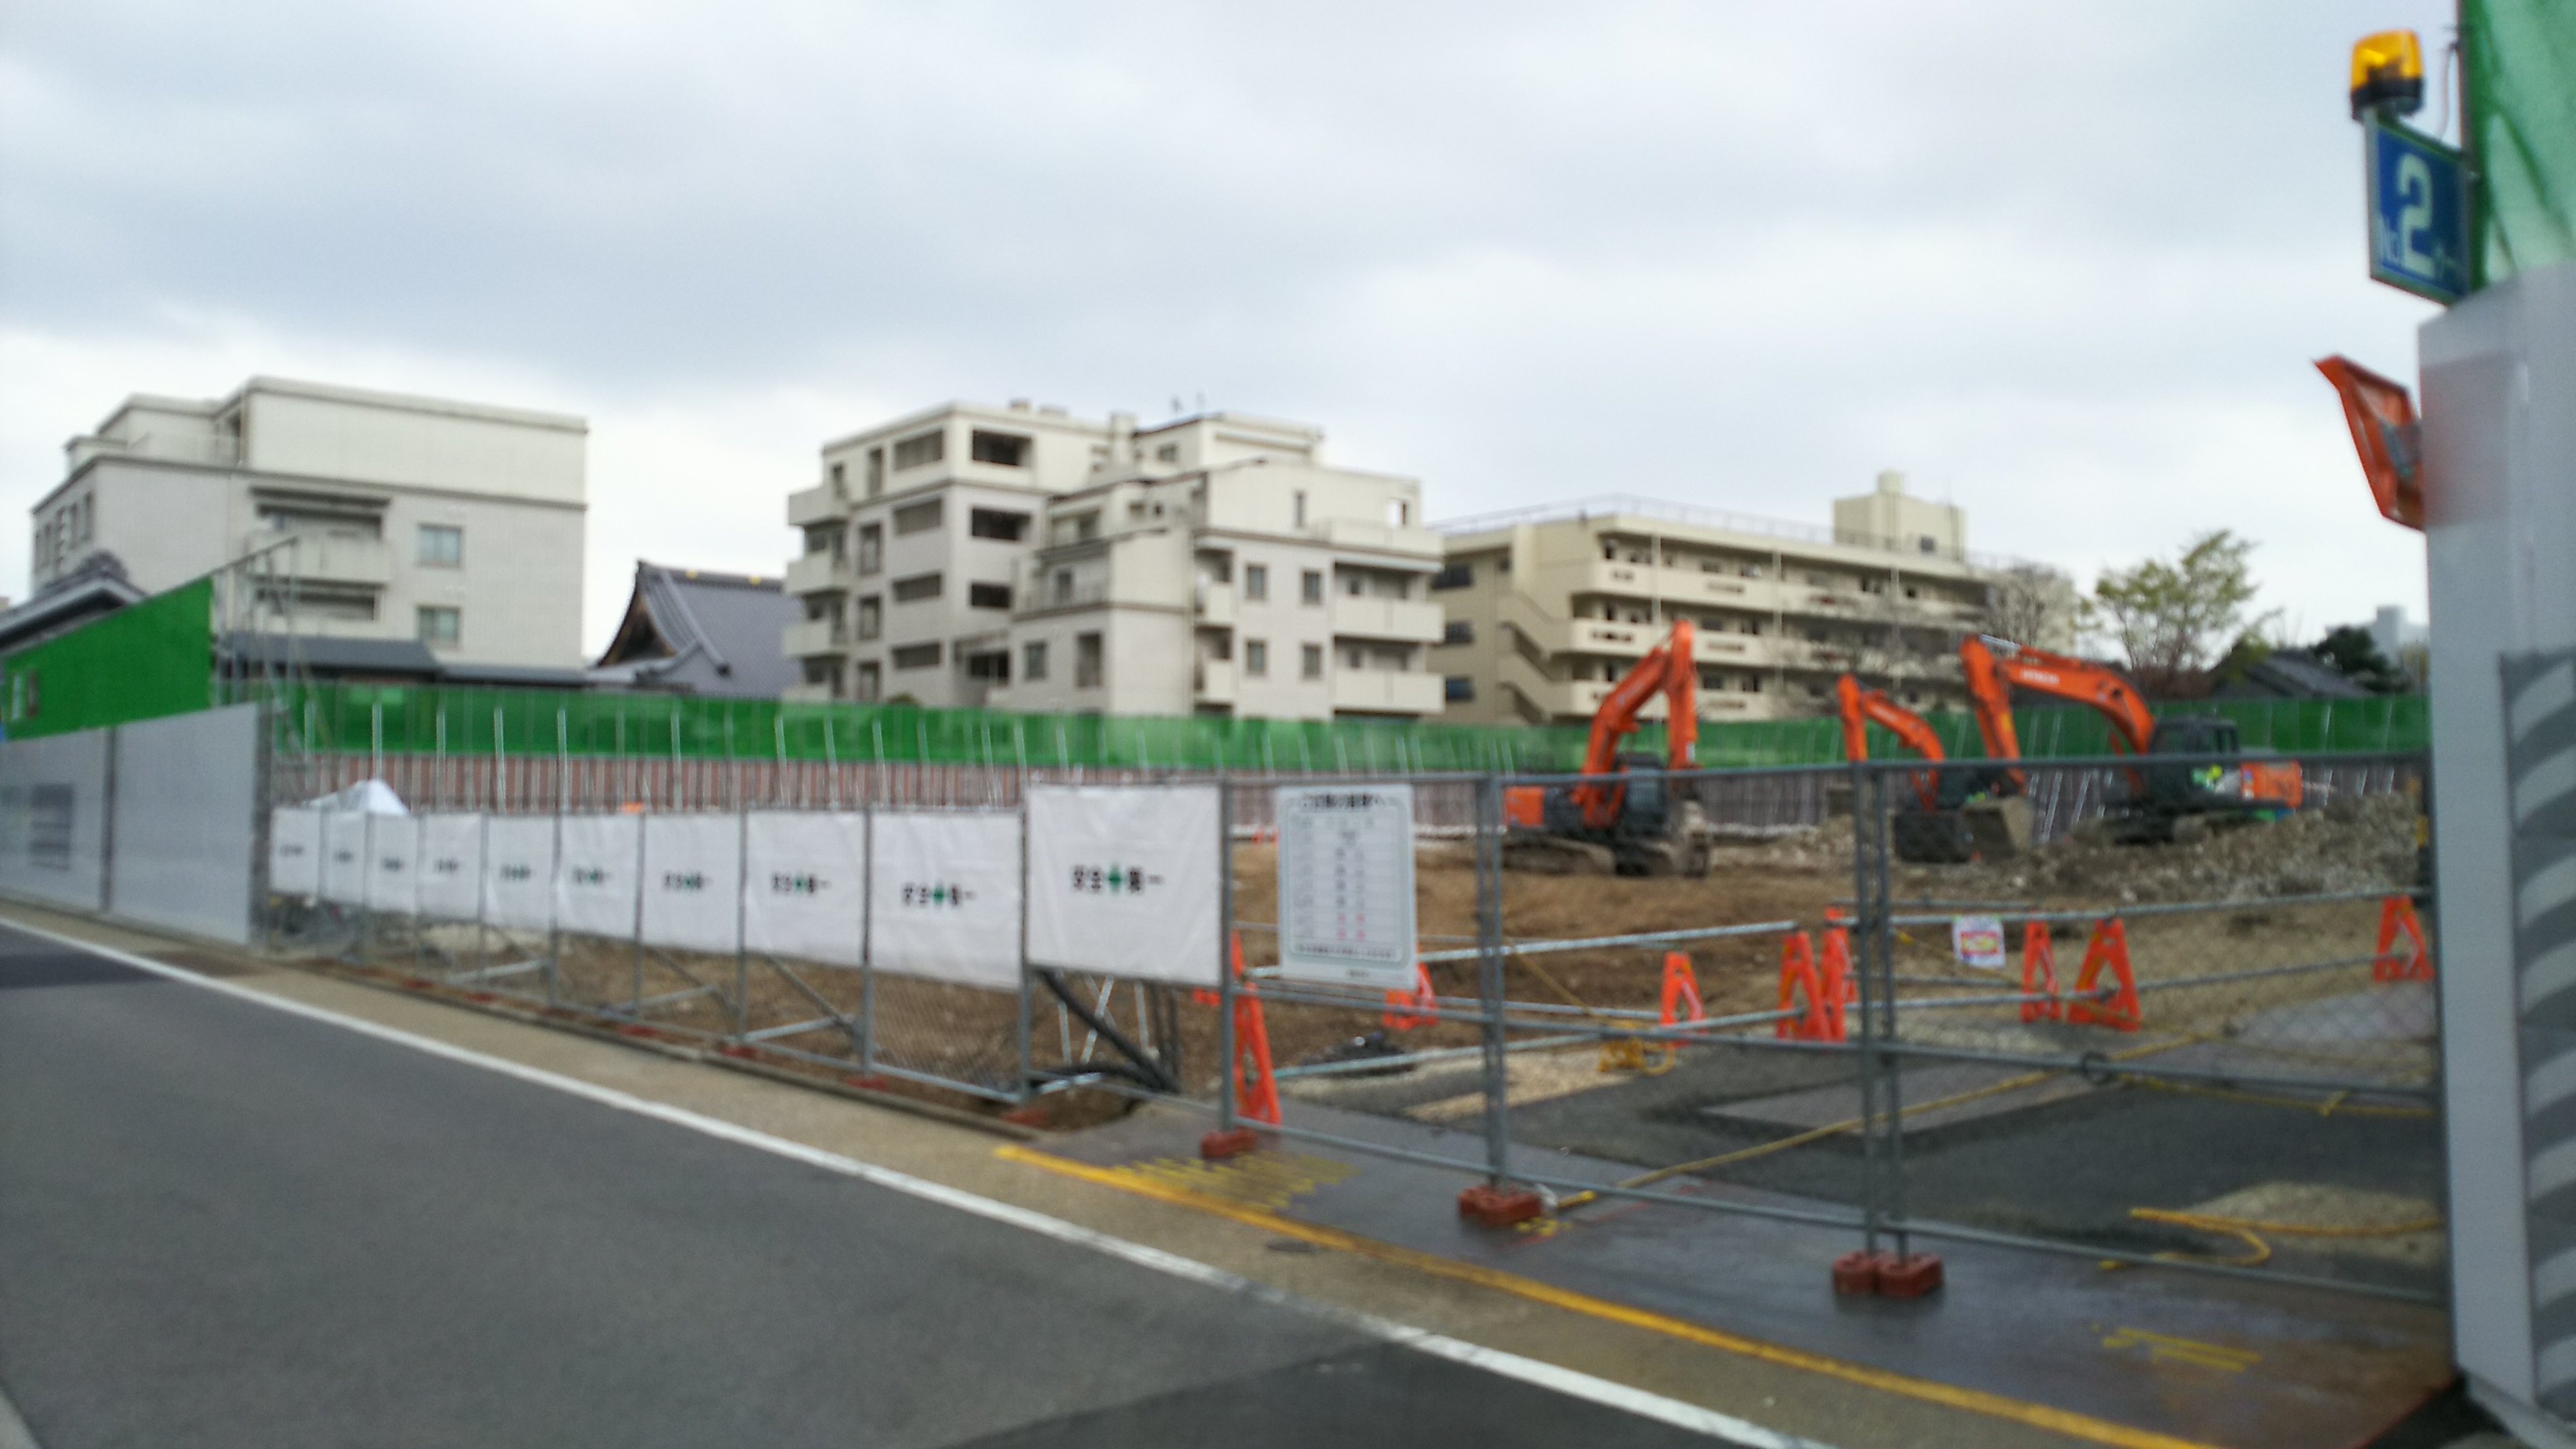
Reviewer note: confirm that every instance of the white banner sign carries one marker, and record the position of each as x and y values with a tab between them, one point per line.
295	851
1978	941
595	879
944	898
693	881
519	871
393	875
1346	884
344	857
1125	881
807	886
451	867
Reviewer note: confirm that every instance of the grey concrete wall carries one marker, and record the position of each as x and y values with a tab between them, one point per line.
186	812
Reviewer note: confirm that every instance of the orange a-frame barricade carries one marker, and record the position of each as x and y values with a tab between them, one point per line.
1405	1011
1681	985
1256	1091
2109	949
2397	917
1817	995
2039	973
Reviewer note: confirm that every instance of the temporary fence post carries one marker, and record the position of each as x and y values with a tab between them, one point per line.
1489	976
1020	1024
868	950
1225	1043
741	913
1865	930
637	1010
1882	938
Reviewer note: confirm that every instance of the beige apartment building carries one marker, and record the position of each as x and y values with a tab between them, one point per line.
374	516
1546	608
1018	558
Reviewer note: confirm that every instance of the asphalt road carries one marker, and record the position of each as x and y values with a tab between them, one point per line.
222	1224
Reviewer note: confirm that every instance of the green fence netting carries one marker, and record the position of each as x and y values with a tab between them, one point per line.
152	659
459	721
2519	61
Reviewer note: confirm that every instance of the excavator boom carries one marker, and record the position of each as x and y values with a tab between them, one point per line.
1668	669
1860	706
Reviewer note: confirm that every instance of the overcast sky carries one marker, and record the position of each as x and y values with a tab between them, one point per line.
2064	265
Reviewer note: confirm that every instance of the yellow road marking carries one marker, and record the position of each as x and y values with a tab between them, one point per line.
2063	1421
2165	1348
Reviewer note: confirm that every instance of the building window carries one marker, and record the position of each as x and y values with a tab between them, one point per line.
1256	658
1310	661
998	523
1300	509
871	616
871	547
1458	631
916	656
1356	659
1063	587
1033	660
992	666
876	471
441	547
1256	581
871	680
1086	661
917	517
988	596
1926	544
1354	585
1311	586
440	624
1168	453
1458	689
840	489
1455	576
919	449
1006	450
917	588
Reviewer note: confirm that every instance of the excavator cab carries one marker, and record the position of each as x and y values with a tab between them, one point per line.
1624	817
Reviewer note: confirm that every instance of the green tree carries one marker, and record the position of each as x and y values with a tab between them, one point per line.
2169	617
2349	650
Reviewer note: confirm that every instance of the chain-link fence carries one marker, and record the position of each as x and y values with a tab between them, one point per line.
2168	1009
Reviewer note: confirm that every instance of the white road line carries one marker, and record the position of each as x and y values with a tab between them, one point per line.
1569	1382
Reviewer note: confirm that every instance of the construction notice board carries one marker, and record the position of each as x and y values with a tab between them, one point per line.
1346	884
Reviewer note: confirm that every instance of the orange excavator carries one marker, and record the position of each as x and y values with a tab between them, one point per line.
1623	817
1956	815
2165	802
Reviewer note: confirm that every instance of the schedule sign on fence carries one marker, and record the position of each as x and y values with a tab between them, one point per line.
1346	884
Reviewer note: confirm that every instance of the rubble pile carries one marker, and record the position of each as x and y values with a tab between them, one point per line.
2362	844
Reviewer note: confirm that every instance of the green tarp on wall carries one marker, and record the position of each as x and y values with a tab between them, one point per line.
150	659
2519	61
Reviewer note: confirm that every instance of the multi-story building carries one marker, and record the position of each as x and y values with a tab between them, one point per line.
913	542
1547	607
1025	559
371	516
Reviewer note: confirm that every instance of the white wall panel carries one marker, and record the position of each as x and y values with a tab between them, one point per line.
451	867
808	886
693	881
944	897
53	818
187	817
1125	881
344	857
393	865
295	851
595	881
519	871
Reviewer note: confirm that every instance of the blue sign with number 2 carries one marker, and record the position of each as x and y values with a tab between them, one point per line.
2419	221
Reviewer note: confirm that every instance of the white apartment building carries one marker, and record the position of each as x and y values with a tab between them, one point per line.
1547	607
1213	564
378	516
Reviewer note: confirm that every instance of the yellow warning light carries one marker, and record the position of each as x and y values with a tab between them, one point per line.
2388	73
